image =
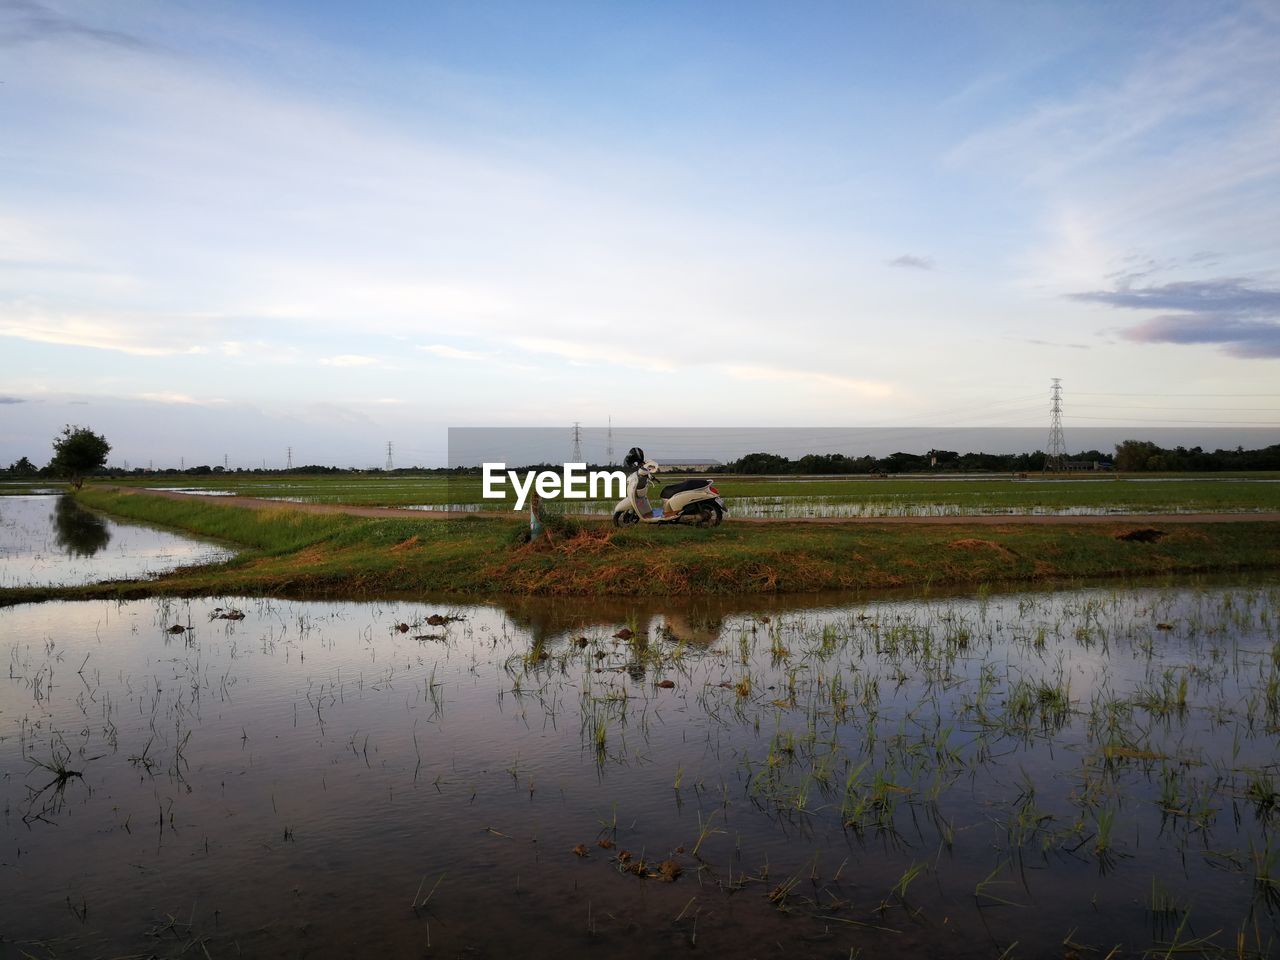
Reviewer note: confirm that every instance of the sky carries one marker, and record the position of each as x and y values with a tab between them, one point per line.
235	230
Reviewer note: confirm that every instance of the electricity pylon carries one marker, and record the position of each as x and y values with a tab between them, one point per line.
1055	460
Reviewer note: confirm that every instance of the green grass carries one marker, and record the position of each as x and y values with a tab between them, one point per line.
293	553
1138	493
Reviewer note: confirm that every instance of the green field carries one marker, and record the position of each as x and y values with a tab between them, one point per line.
908	496
287	552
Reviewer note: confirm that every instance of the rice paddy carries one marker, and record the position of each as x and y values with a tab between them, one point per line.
49	540
1071	773
803	497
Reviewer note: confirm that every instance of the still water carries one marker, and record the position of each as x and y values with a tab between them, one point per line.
50	541
1046	774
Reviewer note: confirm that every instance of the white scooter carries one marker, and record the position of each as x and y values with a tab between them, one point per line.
688	501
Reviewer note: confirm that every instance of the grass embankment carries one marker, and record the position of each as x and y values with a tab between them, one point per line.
288	552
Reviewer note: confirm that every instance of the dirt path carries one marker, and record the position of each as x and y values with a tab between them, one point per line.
981	520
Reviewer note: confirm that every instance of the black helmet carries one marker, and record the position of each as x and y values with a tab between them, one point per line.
634	458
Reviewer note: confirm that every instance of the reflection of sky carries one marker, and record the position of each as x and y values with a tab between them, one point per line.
455	749
31	556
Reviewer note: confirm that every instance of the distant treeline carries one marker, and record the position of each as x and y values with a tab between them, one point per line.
1137	455
1131	456
935	461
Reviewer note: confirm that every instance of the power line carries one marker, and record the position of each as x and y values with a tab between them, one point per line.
1084	394
1144	406
1229	423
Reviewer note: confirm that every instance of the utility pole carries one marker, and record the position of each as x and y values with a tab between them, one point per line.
288	463
389	467
1055	460
224	461
182	463
577	442
609	450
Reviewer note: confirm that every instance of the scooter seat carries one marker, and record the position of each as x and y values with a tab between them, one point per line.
670	491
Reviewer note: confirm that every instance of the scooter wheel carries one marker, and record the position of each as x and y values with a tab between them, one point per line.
710	516
625	518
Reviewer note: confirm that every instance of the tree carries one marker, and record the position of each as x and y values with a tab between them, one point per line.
78	451
23	468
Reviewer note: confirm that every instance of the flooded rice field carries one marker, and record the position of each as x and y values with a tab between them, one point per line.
1083	773
48	540
800	507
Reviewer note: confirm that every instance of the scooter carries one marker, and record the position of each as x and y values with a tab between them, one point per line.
688	501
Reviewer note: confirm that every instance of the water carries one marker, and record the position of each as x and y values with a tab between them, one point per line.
796	508
50	541
941	776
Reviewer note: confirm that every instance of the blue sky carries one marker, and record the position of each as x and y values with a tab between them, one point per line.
233	228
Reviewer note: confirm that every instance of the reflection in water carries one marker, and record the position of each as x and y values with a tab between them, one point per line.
920	776
77	531
50	541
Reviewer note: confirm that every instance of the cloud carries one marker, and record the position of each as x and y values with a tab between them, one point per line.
167	398
348	360
583	354
1222	72
864	388
1050	343
141	336
452	353
1232	312
912	262
26	21
1247	339
8	400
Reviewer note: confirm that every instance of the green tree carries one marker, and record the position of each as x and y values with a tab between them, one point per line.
23	468
78	451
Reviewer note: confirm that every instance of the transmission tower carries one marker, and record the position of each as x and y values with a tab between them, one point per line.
609	449
389	467
577	442
288	463
1055	460
224	461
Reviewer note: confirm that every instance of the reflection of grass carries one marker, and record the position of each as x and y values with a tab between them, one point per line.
867	733
294	553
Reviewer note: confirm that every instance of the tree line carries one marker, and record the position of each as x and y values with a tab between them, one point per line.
78	452
1131	456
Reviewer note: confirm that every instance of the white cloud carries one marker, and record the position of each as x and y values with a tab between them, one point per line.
871	389
615	353
348	360
452	353
1175	150
180	398
140	336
